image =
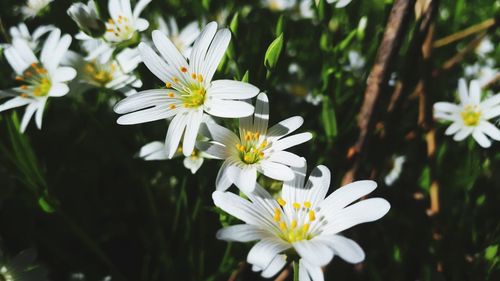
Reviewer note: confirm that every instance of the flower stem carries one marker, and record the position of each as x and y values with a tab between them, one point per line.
295	266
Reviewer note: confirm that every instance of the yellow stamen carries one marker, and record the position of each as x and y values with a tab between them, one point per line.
172	106
307	204
282	202
184	69
200	78
282	225
296	205
168	85
171	95
312	215
293	224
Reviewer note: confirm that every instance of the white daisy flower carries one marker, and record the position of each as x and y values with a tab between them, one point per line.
396	169
40	79
339	3
471	115
156	150
190	92
123	26
183	39
34	7
302	222
21	32
87	18
257	149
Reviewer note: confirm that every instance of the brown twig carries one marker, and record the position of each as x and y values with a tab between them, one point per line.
377	81
284	274
236	272
464	33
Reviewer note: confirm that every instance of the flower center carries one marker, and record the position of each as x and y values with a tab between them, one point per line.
36	81
298	226
101	74
191	88
250	150
194	98
471	115
119	29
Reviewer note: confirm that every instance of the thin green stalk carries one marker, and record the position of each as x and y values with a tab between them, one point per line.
295	266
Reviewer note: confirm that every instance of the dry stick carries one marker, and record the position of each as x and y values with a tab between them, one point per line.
284	274
464	33
377	81
235	273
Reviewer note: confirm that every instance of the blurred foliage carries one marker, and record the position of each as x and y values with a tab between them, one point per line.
77	192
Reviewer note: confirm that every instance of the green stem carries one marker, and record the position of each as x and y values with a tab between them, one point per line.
295	266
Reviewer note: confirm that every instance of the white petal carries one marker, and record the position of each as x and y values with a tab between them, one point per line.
490	130
285	127
223	182
174	133
58	90
153	151
56	54
240	208
24	50
231	90
463	92
290	141
192	127
213	149
492	101
463	133
303	274
475	92
142	100
218	133
309	271
261	116
63	74
139	7
14	102
446	107
168	50
276	171
365	211
193	163
481	139
241	233
153	62
318	184
50	45
342	4
345	248
263	253
453	128
314	251
15	60
491	112
244	178
200	47
345	195
228	108
30	110
39	113
293	190
286	158
274	267
215	53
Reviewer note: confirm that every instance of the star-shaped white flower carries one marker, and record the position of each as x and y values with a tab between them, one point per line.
471	116
301	221
21	31
40	79
182	39
189	91
257	149
34	7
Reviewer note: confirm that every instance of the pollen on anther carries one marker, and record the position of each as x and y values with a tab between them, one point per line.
293	224
184	69
168	85
282	225
171	95
307	204
19	78
172	106
312	215
176	80
296	205
200	78
282	202
24	87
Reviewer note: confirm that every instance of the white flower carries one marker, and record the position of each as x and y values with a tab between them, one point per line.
397	168
484	72
485	47
183	39
314	99
356	62
257	149
471	115
21	32
40	79
339	3
302	220
23	267
123	26
278	5
157	151
87	18
34	7
190	91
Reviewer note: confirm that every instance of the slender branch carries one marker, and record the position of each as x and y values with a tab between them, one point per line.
284	274
464	33
377	81
236	272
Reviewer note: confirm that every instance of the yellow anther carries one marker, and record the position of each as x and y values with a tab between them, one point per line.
256	135
33	65
172	106
19	78
171	94
263	144
293	224
246	158
110	20
296	205
305	228
193	75
184	69
261	154
282	202
176	80
200	78
24	87
312	215
23	95
307	204
277	214
282	225
168	85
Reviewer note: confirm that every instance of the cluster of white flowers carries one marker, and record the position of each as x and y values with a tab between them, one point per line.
301	222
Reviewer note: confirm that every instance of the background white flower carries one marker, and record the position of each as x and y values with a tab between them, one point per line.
40	79
34	7
21	32
396	169
257	149
339	3
301	220
190	91
471	115
182	39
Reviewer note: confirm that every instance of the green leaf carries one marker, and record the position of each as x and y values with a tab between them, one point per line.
273	53
328	118
425	179
45	206
245	77
233	26
280	26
